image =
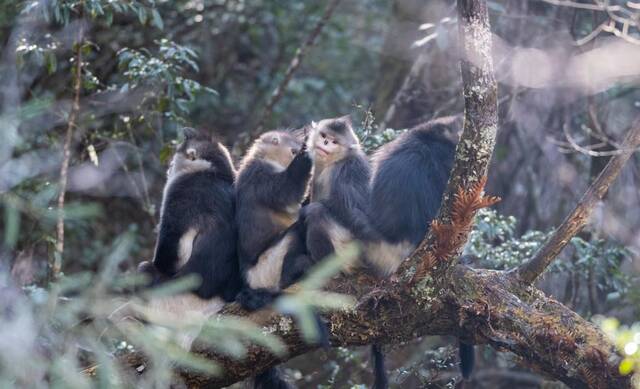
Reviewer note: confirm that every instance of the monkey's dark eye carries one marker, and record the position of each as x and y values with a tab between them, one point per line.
335	142
322	134
294	151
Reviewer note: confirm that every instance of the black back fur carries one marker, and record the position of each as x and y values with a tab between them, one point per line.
409	179
261	190
201	199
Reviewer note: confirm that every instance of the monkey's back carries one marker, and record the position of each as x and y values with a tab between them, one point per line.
200	197
409	179
259	225
202	201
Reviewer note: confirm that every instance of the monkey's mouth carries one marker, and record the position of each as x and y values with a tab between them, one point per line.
323	151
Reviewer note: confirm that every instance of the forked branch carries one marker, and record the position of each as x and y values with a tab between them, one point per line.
529	271
474	150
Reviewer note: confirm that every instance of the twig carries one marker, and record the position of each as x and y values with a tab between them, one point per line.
408	82
589	149
529	271
56	264
146	200
294	65
627	17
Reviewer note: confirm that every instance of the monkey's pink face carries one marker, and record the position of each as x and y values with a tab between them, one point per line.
327	146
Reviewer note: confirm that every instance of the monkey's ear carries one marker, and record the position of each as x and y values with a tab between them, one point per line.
189	133
346	119
274	140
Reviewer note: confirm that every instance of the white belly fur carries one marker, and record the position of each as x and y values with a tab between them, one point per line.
341	238
266	273
185	246
386	257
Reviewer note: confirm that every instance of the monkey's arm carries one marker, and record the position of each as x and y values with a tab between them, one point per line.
166	254
288	187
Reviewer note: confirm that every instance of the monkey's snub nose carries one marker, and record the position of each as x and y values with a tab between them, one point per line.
326	142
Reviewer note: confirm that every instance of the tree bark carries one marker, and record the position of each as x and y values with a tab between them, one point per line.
483	306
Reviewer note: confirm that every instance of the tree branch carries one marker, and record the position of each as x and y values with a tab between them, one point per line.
529	271
482	305
56	264
293	66
478	138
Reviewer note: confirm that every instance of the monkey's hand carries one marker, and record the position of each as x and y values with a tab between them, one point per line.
301	165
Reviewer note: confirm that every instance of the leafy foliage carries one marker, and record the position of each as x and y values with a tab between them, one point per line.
589	259
627	340
162	73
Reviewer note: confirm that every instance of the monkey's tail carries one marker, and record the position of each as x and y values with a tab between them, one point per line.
271	379
467	359
381	380
255	299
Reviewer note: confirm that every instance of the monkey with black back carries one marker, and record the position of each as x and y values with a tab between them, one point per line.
197	233
340	193
410	175
272	182
340	189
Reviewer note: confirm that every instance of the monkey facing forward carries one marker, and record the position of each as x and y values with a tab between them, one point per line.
340	189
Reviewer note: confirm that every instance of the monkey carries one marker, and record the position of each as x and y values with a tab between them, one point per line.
340	189
272	182
410	175
409	178
340	193
197	233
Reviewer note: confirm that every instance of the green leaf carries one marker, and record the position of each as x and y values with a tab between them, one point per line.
142	15
173	287
157	19
52	62
626	366
166	152
12	225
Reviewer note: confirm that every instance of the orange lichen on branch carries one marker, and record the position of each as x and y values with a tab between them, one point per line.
449	238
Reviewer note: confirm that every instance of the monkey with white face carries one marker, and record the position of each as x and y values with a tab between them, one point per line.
340	193
340	190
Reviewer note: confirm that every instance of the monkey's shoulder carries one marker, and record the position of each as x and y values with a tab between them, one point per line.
205	190
257	171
